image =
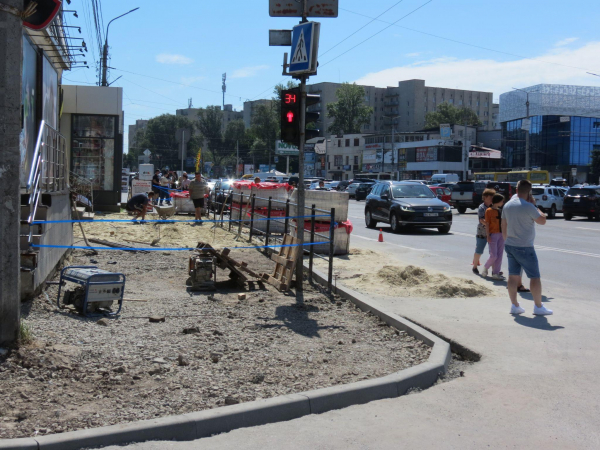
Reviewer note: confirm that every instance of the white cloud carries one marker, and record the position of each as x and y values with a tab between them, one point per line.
167	58
568	66
246	72
566	41
412	55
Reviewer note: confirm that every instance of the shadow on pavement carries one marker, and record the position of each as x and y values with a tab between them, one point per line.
538	322
528	296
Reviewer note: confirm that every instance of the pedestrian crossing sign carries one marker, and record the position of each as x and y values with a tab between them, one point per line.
305	48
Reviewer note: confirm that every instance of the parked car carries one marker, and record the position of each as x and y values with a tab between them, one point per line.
403	205
353	185
444	178
447	185
362	191
549	199
221	194
467	194
416	181
341	185
506	188
582	201
444	194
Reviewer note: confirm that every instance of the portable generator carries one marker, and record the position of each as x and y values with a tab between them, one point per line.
96	291
202	271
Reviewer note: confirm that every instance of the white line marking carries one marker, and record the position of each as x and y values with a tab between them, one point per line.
592	229
389	243
571	252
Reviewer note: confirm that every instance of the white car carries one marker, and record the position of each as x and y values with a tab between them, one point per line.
549	199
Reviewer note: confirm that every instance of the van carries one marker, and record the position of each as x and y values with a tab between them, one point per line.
444	178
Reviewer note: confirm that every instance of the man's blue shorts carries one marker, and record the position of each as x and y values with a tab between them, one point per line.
522	258
480	246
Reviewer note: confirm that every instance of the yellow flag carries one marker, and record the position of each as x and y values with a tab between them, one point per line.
198	159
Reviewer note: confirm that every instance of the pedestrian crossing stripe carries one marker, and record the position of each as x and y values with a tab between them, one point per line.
300	54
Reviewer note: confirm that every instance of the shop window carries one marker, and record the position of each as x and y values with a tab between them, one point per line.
93	149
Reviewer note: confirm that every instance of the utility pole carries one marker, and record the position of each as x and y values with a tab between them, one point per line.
104	81
466	147
393	131
11	47
237	158
301	203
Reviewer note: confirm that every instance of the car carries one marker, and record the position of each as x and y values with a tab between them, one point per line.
362	191
582	201
444	178
220	194
467	194
404	205
506	188
447	185
416	181
444	194
549	199
341	185
353	185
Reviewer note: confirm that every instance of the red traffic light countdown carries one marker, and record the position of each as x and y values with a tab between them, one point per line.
290	116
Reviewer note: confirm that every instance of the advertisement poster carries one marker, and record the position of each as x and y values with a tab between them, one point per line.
140	187
426	154
248	168
29	131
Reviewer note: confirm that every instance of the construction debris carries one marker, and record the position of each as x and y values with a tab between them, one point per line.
286	263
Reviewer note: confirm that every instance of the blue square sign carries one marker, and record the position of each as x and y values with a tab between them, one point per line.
305	44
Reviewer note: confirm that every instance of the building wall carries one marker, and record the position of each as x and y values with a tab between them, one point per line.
133	129
250	108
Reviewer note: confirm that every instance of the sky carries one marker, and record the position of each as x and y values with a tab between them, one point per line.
169	52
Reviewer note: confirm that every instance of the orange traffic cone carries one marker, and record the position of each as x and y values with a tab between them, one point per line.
380	235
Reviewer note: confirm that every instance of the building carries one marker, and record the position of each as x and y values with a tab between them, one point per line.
564	128
404	107
133	129
250	109
229	114
92	123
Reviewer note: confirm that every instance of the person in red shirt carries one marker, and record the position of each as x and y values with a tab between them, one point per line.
493	226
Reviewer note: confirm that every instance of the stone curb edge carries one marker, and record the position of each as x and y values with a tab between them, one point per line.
187	427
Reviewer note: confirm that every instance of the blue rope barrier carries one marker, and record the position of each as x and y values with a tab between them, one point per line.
175	249
39	222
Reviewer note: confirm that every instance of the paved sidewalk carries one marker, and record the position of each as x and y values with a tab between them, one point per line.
535	387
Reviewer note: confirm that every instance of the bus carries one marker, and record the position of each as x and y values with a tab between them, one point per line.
535	176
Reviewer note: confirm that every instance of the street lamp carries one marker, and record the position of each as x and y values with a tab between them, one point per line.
527	130
105	52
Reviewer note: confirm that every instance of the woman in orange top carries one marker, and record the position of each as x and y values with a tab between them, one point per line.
493	226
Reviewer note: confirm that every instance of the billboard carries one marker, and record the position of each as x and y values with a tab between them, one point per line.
426	154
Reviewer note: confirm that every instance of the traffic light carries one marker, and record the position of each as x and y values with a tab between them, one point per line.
290	116
312	117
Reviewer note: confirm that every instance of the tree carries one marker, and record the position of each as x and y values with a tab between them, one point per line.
265	130
349	112
595	163
159	138
447	113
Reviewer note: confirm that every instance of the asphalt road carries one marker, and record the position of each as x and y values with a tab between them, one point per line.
569	252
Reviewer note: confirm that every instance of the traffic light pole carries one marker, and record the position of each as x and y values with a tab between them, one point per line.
301	202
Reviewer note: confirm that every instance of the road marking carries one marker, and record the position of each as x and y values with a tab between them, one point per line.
462	234
389	243
571	252
592	229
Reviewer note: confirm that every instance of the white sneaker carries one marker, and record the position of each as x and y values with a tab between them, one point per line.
516	310
543	311
497	276
484	272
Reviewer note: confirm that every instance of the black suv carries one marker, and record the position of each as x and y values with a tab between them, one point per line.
506	188
406	204
582	201
363	189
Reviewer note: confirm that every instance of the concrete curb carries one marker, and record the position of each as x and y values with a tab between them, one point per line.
187	427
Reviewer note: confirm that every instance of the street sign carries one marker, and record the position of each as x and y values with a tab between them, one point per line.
309	147
526	125
280	38
445	130
147	152
292	8
276	159
285	149
565	118
305	48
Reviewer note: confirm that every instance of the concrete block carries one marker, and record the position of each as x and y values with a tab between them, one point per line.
260	412
18	444
338	397
173	428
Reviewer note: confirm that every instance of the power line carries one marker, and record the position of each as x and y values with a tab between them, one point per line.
461	42
379	32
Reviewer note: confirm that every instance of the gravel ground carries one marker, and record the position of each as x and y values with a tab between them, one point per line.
78	373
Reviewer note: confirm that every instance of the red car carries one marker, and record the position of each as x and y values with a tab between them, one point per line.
444	194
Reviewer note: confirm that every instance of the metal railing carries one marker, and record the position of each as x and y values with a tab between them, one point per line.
48	169
242	208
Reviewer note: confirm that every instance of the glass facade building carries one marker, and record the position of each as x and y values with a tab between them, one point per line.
564	130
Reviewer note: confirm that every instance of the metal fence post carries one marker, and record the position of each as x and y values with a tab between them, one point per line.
240	216
252	216
268	222
287	217
312	244
331	249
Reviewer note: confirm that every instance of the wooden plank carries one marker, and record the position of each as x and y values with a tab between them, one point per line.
116	245
283	261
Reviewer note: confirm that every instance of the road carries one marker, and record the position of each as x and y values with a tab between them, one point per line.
562	247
